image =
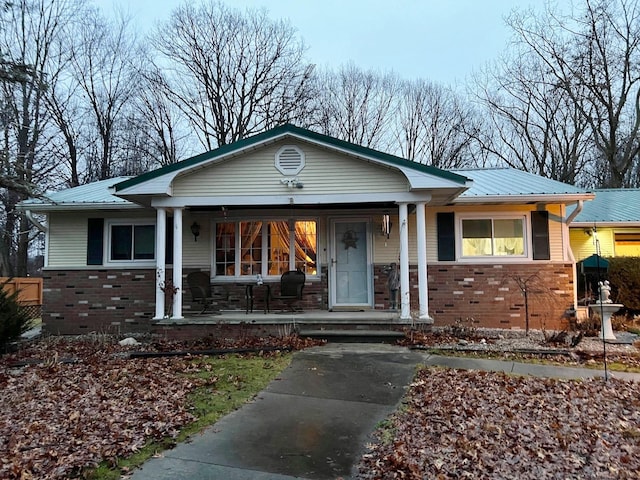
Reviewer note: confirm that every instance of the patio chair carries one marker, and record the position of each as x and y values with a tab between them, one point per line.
291	285
201	292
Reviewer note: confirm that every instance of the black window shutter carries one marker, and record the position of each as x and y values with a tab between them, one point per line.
446	236
540	233
168	254
95	241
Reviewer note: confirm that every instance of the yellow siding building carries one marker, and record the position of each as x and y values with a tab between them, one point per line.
608	225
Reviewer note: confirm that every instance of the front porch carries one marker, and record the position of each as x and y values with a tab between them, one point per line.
381	324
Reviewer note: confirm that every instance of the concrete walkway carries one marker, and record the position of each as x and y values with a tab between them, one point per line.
315	419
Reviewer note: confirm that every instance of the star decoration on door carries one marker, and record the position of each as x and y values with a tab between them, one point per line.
350	238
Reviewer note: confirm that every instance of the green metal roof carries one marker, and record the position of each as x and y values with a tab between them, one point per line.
612	205
510	182
302	133
92	194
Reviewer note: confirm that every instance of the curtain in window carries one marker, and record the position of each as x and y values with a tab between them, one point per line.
251	248
509	237
225	248
306	241
279	249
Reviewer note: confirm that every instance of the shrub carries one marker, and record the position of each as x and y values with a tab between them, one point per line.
14	320
624	276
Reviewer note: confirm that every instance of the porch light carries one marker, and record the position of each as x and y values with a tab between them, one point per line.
195	229
386	225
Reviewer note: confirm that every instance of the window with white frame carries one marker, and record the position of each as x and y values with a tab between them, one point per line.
265	247
131	241
488	237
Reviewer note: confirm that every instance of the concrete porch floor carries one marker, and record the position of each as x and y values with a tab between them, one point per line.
344	326
235	317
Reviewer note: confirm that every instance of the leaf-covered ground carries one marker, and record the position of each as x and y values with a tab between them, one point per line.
84	402
470	424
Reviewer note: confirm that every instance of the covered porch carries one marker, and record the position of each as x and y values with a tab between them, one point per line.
347	257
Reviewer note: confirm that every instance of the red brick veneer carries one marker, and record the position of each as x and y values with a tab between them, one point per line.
488	295
114	301
120	301
103	301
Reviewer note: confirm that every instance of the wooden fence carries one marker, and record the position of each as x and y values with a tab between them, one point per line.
29	292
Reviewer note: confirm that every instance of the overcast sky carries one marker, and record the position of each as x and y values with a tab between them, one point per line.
439	40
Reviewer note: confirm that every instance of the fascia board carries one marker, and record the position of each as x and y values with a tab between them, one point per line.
420	180
541	198
632	224
50	207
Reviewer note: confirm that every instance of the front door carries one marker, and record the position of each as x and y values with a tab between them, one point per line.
350	264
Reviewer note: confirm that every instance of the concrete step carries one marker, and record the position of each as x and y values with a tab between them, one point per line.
350	335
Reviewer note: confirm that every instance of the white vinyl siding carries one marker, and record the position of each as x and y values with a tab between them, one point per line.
196	254
67	240
325	172
556	237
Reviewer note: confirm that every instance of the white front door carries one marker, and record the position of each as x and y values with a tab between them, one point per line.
350	277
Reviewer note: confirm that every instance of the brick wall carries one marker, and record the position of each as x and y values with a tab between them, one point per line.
120	301
488	295
114	301
105	301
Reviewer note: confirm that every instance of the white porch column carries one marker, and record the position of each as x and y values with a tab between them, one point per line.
423	288
405	304
177	263
161	247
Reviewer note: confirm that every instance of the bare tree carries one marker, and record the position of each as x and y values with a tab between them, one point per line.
104	64
434	126
592	54
232	74
356	105
28	42
530	123
160	122
64	103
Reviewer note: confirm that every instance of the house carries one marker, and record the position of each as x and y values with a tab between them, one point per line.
608	226
613	219
468	243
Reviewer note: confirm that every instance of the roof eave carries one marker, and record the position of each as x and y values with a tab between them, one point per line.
51	207
534	198
629	224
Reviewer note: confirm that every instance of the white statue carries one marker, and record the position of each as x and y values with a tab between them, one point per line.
604	290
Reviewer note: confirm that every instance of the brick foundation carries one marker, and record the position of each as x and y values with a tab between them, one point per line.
488	295
121	301
105	301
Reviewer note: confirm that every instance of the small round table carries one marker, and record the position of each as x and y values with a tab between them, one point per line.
249	295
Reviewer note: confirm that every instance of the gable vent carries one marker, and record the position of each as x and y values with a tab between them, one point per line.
289	160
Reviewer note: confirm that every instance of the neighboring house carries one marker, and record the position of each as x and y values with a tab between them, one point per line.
609	225
613	218
465	241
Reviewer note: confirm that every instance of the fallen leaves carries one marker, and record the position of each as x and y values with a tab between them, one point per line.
469	424
70	405
56	421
